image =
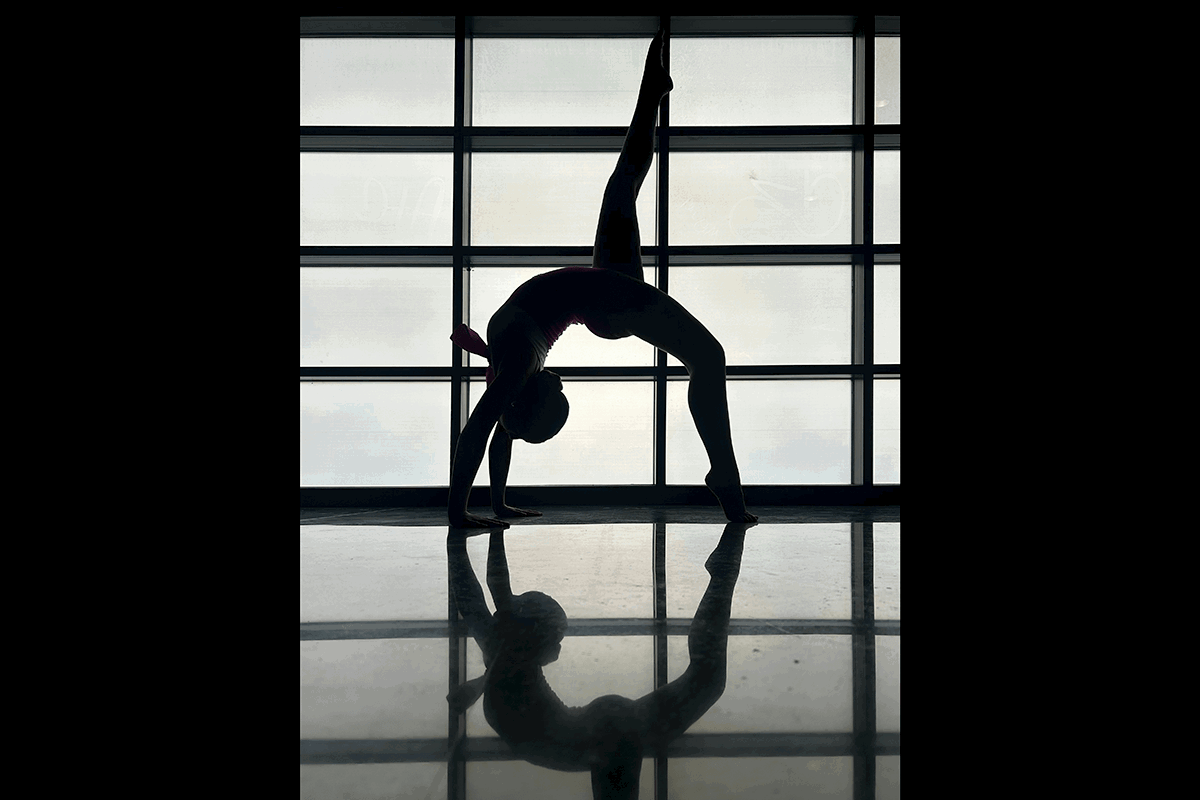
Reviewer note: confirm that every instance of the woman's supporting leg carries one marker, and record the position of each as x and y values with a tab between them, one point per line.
618	241
659	319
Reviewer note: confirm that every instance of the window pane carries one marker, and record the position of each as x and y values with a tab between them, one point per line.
784	432
520	780
887	313
760	81
760	198
356	572
799	314
588	667
617	557
887	431
788	571
887	777
608	439
375	316
887	570
784	684
373	689
375	198
887	197
887	80
887	683
393	81
547	198
373	781
556	81
577	347
827	777
386	433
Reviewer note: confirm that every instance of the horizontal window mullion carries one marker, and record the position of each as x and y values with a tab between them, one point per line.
590	26
352	630
377	26
589	139
413	254
733	371
690	745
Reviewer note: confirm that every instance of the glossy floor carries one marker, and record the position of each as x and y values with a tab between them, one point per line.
804	702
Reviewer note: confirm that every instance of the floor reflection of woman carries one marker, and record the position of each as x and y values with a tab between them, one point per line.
611	735
525	401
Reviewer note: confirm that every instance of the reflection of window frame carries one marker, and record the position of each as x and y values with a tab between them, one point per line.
863	138
461	140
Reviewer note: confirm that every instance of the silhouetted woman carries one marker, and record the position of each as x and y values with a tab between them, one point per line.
525	401
611	735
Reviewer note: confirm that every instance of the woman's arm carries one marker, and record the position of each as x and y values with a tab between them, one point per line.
468	455
499	457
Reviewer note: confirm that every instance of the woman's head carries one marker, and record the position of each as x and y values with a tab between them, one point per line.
533	626
540	411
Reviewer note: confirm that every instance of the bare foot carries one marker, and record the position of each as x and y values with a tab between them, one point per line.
729	495
654	69
509	511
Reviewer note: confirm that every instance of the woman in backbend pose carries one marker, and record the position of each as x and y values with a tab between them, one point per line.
611	735
525	401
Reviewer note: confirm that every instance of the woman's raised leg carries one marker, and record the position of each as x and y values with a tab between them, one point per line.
618	241
652	315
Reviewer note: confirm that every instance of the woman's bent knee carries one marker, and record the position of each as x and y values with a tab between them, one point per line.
708	356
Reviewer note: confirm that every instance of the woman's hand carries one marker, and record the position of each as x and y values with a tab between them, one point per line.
468	520
509	511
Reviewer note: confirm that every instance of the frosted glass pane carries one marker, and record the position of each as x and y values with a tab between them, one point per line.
887	197
547	198
771	315
577	347
887	684
525	781
556	81
373	781
784	432
887	80
375	198
757	81
375	316
520	780
886	536
887	777
357	572
778	684
760	198
826	777
887	431
387	433
588	667
568	562
393	81
373	689
887	313
608	439
788	571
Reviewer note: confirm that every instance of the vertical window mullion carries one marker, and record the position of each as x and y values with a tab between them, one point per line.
862	443
460	406
660	641
660	377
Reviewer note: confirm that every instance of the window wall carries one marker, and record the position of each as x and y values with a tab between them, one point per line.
446	160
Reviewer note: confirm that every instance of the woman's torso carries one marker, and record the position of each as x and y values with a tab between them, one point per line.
572	295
